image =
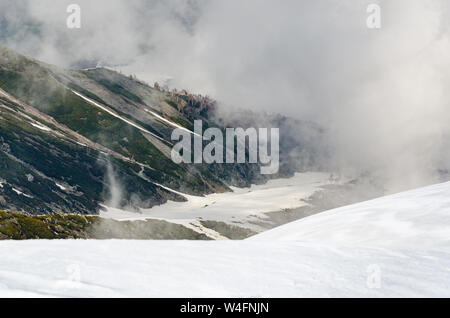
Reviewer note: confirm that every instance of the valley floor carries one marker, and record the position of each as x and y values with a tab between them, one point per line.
244	207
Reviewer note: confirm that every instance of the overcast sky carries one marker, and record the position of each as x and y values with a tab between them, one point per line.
382	93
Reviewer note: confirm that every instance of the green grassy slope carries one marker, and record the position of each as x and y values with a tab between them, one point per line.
18	226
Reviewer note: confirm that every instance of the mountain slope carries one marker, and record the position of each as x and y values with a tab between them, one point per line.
72	139
46	167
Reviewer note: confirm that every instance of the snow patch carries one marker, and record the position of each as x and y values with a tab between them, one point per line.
199	228
106	109
41	127
171	123
21	193
60	186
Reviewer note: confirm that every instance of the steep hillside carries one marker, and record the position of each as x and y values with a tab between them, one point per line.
71	139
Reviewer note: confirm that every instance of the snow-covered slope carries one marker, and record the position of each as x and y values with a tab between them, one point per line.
217	269
389	247
416	218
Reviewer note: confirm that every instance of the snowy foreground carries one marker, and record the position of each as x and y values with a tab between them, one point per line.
393	246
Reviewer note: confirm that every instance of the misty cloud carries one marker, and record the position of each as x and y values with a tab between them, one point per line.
381	94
